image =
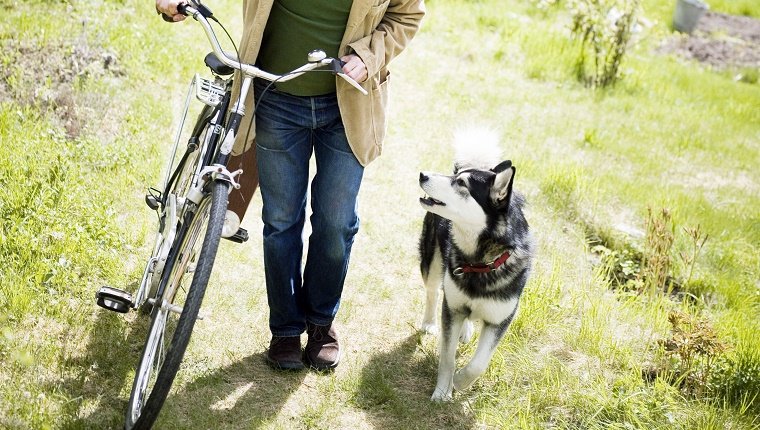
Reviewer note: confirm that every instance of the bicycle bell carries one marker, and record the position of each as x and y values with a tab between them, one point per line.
316	56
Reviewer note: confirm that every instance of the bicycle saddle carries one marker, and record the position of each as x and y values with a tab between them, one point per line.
217	66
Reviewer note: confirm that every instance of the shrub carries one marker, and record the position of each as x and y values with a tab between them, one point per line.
604	30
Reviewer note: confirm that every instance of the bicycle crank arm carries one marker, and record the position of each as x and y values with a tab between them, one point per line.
178	309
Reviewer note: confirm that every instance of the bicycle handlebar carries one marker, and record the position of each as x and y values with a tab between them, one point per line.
315	59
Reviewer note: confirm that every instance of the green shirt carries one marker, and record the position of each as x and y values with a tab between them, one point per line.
296	27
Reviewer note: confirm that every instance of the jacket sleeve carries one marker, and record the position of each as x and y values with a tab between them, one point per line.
392	24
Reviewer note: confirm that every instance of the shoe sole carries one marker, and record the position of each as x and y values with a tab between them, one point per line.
285	366
321	367
240	236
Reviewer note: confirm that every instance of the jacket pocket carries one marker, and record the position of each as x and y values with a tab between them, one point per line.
379	105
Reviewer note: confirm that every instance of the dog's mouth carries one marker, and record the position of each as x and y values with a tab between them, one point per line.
429	201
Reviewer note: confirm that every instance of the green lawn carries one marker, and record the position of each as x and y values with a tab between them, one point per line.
90	92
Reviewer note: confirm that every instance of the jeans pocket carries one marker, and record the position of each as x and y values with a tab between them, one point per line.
277	124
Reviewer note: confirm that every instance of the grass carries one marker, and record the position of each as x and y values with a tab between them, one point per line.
83	137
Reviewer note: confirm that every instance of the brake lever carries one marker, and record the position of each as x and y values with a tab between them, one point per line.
337	68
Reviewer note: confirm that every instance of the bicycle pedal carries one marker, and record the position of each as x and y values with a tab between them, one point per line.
114	299
240	236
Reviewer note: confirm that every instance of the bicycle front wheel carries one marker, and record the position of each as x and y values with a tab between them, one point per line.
168	337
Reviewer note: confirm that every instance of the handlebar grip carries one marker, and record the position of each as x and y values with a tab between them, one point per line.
181	10
199	7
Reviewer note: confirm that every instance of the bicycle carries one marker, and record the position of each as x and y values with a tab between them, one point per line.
191	207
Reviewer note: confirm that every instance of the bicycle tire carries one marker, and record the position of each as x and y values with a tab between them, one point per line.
145	402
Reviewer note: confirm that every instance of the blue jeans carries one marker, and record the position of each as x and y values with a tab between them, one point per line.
288	130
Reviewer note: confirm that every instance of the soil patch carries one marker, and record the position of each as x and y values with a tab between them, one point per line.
45	76
721	41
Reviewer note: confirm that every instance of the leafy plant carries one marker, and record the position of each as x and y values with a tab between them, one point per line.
691	350
621	268
604	28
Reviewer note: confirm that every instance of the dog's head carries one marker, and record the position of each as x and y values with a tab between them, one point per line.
469	196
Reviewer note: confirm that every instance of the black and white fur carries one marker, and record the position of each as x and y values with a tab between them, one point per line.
472	217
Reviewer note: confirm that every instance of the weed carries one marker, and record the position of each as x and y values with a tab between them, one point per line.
622	268
650	271
591	139
655	267
748	75
691	352
698	239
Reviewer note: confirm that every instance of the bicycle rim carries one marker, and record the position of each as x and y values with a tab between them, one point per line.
192	258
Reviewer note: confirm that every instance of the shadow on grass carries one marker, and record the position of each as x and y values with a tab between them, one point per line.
243	395
395	389
100	373
246	394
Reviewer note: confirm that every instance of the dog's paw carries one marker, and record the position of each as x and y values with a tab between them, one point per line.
441	395
467	330
463	380
429	328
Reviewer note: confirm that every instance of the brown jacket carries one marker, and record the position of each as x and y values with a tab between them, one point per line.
377	31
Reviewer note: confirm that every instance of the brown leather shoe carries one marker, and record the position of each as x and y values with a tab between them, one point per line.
322	350
285	353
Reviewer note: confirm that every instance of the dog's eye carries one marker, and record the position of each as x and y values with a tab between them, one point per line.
460	182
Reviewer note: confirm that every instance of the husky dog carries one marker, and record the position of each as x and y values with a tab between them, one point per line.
476	244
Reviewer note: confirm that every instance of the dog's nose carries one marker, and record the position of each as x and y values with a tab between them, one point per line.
423	177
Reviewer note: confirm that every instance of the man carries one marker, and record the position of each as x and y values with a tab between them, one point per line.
315	114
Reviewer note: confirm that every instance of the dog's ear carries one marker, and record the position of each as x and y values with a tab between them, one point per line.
502	184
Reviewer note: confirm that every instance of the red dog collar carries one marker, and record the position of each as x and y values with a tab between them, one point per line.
482	267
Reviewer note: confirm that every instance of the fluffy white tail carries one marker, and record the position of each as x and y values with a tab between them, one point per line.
476	147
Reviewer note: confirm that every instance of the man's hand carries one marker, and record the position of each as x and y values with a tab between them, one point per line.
354	67
169	9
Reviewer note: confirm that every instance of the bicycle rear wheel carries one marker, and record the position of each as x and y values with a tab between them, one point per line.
159	364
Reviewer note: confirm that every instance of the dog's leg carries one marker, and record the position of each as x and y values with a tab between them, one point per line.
490	336
431	268
432	289
451	324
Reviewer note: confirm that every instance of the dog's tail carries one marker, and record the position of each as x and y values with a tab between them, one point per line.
476	148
